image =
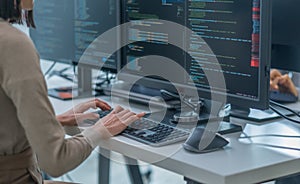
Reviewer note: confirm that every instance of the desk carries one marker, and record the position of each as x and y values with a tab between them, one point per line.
240	161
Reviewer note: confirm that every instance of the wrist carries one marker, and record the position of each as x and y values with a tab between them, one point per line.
59	118
95	134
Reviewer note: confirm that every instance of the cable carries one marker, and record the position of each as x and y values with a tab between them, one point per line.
285	107
50	68
284	116
179	97
269	135
74	70
281	114
270	145
173	95
75	77
246	136
280	147
107	79
69	177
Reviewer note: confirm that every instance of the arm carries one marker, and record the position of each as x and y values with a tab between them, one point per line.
23	83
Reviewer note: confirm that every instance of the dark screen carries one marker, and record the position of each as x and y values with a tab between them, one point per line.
285	35
157	42
54	34
65	29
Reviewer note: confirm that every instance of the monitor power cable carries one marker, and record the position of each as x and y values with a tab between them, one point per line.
273	103
251	137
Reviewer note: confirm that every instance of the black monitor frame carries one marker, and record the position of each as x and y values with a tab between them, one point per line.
265	55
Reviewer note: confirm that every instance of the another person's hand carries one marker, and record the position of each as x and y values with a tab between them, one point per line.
77	114
117	121
282	83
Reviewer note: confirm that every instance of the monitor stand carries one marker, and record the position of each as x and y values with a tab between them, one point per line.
83	90
104	83
61	73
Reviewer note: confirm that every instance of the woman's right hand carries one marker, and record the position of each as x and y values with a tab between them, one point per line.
118	120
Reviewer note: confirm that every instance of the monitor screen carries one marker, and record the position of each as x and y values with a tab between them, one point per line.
237	33
285	35
54	34
66	28
157	41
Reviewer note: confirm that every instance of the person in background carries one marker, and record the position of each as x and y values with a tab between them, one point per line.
282	83
31	136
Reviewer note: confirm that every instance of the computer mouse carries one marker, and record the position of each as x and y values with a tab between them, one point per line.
202	140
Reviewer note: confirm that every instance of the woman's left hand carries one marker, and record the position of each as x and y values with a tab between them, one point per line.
77	114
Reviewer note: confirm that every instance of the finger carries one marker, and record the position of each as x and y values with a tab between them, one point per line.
140	115
131	114
122	113
102	105
131	119
85	116
84	106
95	103
273	86
275	81
288	85
274	74
107	117
284	80
127	115
118	109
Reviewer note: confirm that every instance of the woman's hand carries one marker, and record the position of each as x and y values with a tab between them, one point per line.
117	121
77	114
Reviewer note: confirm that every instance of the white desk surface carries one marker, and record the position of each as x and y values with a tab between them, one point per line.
242	161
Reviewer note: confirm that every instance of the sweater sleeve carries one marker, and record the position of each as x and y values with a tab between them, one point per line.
23	82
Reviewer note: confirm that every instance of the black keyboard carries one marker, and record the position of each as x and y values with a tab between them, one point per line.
157	134
103	113
152	132
282	97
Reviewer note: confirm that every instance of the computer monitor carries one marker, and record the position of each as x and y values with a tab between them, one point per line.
65	29
54	34
238	33
285	35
